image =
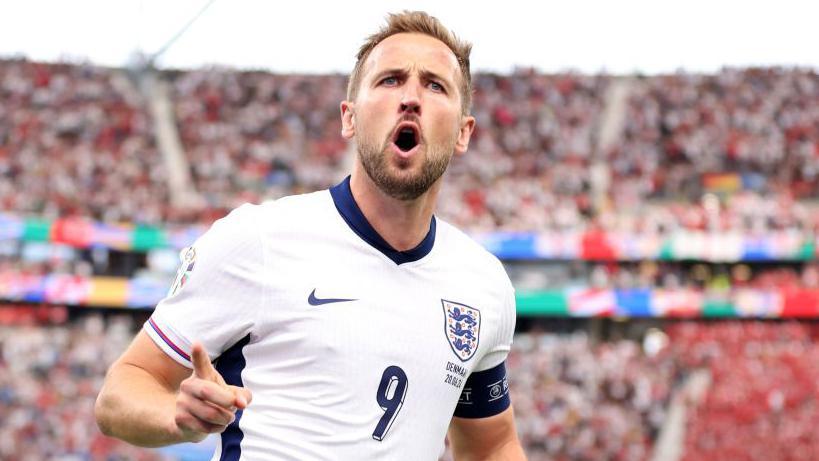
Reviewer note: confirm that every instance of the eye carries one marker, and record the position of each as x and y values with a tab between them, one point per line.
435	86
389	81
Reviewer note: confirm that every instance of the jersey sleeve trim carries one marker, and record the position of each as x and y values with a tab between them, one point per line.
156	334
485	394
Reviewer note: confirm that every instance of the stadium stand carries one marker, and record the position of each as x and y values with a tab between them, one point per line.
254	135
762	400
49	378
700	201
50	373
580	401
75	140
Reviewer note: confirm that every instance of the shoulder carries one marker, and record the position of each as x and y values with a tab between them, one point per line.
230	239
233	226
249	221
292	211
298	204
463	250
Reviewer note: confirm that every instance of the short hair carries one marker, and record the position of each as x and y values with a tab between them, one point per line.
422	23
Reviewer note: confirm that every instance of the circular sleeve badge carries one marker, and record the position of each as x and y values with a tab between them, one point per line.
188	259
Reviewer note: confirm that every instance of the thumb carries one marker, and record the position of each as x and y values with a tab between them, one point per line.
202	368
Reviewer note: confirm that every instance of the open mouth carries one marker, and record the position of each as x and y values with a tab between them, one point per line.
406	137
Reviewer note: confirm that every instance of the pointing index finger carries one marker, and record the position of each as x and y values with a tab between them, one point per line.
202	368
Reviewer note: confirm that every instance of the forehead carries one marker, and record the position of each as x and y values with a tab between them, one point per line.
414	51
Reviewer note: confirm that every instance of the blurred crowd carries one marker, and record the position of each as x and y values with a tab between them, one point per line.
698	276
249	136
528	164
76	140
756	122
742	212
732	152
575	400
763	402
750	133
735	150
690	277
49	380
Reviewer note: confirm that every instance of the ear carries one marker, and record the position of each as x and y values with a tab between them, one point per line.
464	134
347	119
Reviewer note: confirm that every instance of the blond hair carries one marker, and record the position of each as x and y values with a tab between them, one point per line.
422	23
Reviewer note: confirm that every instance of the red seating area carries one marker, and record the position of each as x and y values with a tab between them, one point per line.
762	404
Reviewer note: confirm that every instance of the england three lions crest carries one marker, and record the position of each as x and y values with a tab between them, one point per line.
462	327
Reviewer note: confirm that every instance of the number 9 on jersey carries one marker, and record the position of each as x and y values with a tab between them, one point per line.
390	397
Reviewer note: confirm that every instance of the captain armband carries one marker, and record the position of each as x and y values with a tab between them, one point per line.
485	393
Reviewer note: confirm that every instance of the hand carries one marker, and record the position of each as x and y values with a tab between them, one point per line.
205	403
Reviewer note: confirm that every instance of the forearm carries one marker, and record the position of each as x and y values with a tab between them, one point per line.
137	408
486	439
509	451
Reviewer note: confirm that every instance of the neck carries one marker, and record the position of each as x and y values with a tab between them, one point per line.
401	223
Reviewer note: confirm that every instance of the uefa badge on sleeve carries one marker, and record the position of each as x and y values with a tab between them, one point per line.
188	258
462	327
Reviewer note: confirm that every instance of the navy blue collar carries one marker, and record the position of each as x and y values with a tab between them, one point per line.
349	210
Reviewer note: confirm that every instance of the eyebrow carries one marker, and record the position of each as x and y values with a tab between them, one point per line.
425	75
385	72
429	75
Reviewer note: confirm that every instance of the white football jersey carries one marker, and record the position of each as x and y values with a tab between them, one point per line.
352	350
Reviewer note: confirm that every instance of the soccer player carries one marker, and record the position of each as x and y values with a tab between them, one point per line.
347	323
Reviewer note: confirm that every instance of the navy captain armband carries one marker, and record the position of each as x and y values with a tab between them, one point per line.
486	393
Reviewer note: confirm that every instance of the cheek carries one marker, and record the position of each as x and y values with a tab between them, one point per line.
366	115
445	125
379	101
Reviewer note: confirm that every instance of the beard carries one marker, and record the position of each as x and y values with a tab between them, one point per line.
395	182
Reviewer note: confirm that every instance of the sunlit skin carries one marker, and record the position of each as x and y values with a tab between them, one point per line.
410	78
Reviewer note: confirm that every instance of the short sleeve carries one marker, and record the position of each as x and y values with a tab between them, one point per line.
486	391
502	342
217	292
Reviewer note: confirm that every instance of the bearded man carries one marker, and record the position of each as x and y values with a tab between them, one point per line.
360	325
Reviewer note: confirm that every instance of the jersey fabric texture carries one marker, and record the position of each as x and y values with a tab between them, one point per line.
352	350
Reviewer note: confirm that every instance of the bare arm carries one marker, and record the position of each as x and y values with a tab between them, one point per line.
149	400
491	439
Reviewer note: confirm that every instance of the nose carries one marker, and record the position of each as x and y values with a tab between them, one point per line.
411	100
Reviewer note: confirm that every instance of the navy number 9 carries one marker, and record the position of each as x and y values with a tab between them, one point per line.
390	398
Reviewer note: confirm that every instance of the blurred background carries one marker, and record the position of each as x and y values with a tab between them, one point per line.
648	172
